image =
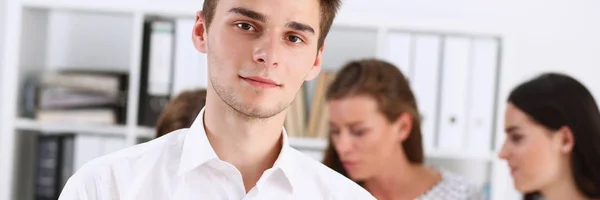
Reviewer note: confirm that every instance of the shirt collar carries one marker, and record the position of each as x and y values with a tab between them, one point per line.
197	150
286	161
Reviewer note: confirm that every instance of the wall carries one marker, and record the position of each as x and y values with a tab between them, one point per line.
2	28
4	149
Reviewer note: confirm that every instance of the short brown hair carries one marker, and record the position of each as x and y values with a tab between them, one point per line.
181	111
329	9
388	86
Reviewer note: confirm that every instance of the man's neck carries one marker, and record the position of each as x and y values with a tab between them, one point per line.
401	180
252	146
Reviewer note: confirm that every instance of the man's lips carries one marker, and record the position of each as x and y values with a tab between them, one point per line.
260	82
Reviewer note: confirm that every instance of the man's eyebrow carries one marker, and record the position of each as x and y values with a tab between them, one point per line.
300	27
249	13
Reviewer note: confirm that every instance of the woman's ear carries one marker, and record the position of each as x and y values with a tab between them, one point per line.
567	139
403	125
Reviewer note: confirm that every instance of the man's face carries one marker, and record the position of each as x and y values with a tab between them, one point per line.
260	52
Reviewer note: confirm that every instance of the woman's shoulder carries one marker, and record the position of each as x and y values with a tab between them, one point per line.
452	186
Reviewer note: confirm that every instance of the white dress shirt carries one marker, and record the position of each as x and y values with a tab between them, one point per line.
182	165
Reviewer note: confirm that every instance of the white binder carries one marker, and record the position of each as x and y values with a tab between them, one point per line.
482	89
161	58
455	76
89	147
190	71
399	52
425	84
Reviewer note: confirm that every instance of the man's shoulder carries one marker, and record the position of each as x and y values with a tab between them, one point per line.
111	174
336	185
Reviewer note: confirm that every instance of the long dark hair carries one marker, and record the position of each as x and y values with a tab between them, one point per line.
556	100
388	86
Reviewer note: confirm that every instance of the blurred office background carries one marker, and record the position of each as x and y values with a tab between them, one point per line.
77	80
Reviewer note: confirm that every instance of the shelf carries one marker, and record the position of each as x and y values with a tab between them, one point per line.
458	155
49	128
314	144
144	132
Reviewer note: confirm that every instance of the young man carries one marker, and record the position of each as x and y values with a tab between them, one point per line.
259	54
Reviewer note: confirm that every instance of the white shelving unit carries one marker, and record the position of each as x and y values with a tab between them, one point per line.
32	125
35	44
2	29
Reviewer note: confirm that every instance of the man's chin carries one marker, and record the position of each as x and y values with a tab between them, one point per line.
257	111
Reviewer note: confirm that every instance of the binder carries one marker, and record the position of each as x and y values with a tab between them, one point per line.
482	98
82	96
89	147
425	84
47	179
400	52
156	70
60	155
54	165
190	69
455	76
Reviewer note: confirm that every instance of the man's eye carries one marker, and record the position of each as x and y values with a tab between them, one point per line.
246	26
294	39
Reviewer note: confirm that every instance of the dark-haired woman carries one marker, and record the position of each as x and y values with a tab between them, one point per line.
552	124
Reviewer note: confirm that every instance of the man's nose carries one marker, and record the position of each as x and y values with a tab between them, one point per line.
267	51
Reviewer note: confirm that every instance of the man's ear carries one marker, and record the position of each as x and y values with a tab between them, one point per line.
199	33
316	68
567	139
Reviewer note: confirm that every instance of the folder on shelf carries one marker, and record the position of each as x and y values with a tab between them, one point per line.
425	84
109	83
400	52
77	96
190	69
318	121
482	96
53	166
78	116
60	155
455	76
295	120
156	70
89	147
